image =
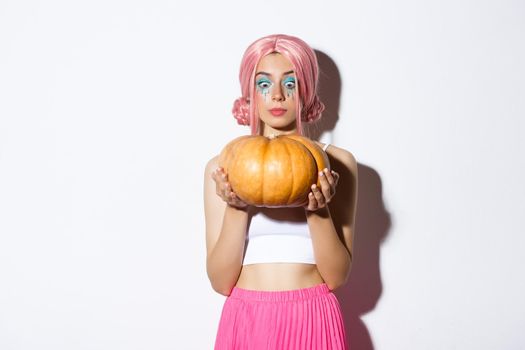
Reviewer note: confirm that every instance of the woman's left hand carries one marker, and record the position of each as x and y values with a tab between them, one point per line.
320	197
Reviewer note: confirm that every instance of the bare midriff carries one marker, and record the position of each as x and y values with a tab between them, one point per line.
278	276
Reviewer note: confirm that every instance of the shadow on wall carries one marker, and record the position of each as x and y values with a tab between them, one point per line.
363	290
329	90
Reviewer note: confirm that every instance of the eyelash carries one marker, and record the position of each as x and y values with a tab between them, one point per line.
290	81
259	84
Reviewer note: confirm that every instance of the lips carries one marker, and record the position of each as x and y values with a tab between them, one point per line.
277	111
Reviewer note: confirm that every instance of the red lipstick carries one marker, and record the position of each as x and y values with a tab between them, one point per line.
277	111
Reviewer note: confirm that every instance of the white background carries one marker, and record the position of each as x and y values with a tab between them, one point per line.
109	111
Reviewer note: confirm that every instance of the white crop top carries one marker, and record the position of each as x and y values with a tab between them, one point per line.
275	240
278	235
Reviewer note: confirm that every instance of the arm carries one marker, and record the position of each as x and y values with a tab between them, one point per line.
225	234
332	227
331	256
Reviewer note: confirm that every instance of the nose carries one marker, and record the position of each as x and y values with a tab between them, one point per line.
277	94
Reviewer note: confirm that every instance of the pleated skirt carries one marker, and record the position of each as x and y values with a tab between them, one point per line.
298	319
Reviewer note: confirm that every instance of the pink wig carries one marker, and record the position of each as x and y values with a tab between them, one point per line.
304	62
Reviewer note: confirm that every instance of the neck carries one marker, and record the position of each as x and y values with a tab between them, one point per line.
268	130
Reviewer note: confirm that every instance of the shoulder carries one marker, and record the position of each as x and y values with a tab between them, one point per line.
341	155
210	167
212	164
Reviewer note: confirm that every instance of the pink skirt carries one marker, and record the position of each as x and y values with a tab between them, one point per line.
298	319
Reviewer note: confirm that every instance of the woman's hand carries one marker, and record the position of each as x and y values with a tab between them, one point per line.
319	198
224	190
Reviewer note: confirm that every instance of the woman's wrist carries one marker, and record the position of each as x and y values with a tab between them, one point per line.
245	209
322	212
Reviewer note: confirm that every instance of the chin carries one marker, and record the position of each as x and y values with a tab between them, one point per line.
277	122
282	125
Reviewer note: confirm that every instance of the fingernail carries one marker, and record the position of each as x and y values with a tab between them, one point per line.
321	173
326	170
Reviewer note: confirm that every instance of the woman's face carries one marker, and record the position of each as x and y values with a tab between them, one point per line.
275	88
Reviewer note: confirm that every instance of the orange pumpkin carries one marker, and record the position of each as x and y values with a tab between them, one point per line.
273	171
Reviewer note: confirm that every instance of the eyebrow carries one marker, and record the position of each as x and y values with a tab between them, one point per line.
285	73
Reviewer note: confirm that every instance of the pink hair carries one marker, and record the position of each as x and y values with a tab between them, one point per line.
306	70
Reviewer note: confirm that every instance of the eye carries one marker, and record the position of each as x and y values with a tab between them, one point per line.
264	84
290	83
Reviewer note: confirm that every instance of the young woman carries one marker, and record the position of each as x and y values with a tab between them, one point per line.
279	266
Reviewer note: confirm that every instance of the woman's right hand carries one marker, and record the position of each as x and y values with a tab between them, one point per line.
224	190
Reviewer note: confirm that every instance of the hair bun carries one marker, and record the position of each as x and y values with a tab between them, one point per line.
241	111
314	111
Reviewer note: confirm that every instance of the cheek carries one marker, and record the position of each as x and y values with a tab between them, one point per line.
262	99
262	94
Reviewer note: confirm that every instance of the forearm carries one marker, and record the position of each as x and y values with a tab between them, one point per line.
225	261
332	258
